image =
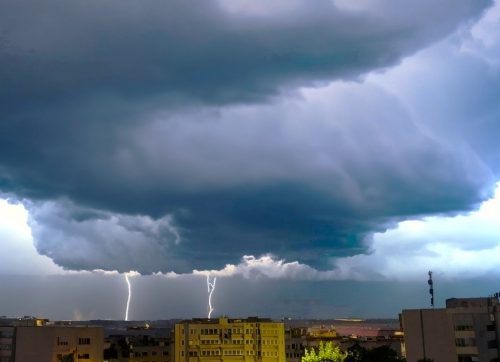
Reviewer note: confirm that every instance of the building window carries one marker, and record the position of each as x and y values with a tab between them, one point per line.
465	342
83	341
467	358
62	341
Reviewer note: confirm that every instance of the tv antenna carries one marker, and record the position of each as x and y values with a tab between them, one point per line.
431	288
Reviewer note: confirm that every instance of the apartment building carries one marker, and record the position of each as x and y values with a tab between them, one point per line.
137	348
229	340
465	331
7	343
345	335
8	330
55	343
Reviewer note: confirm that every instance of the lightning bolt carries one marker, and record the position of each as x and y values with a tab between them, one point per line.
129	296
211	288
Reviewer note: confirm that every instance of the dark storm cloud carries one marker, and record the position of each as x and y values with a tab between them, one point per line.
62	51
131	117
306	187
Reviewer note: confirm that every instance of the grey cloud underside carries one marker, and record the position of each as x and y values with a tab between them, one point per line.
63	51
116	109
305	188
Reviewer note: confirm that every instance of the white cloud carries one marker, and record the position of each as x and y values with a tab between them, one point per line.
18	255
263	266
464	246
268	266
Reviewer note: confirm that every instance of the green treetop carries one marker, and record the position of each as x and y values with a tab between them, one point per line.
327	352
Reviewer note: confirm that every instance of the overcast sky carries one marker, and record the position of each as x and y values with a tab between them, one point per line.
312	155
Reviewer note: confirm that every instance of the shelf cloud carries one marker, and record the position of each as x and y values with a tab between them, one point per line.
179	136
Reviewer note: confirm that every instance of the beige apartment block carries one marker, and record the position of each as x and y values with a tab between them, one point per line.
7	343
465	331
55	343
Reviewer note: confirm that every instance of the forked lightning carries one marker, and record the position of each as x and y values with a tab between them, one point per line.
129	296
211	288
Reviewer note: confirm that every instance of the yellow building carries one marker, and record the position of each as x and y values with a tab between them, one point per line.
229	340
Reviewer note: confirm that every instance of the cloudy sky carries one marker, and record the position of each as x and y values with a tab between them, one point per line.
313	155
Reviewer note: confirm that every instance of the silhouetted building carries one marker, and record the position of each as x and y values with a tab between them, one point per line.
137	348
53	343
7	343
465	331
31	339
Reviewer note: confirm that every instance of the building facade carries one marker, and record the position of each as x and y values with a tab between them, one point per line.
137	348
465	331
8	332
30	339
58	343
7	343
229	340
344	335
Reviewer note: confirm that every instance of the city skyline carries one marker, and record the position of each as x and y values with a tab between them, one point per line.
308	156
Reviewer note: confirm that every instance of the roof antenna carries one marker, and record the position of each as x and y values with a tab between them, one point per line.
431	288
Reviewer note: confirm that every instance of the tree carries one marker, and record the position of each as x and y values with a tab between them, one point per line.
357	353
68	358
327	352
384	354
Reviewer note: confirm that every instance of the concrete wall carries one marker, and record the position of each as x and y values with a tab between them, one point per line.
48	343
7	344
429	334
